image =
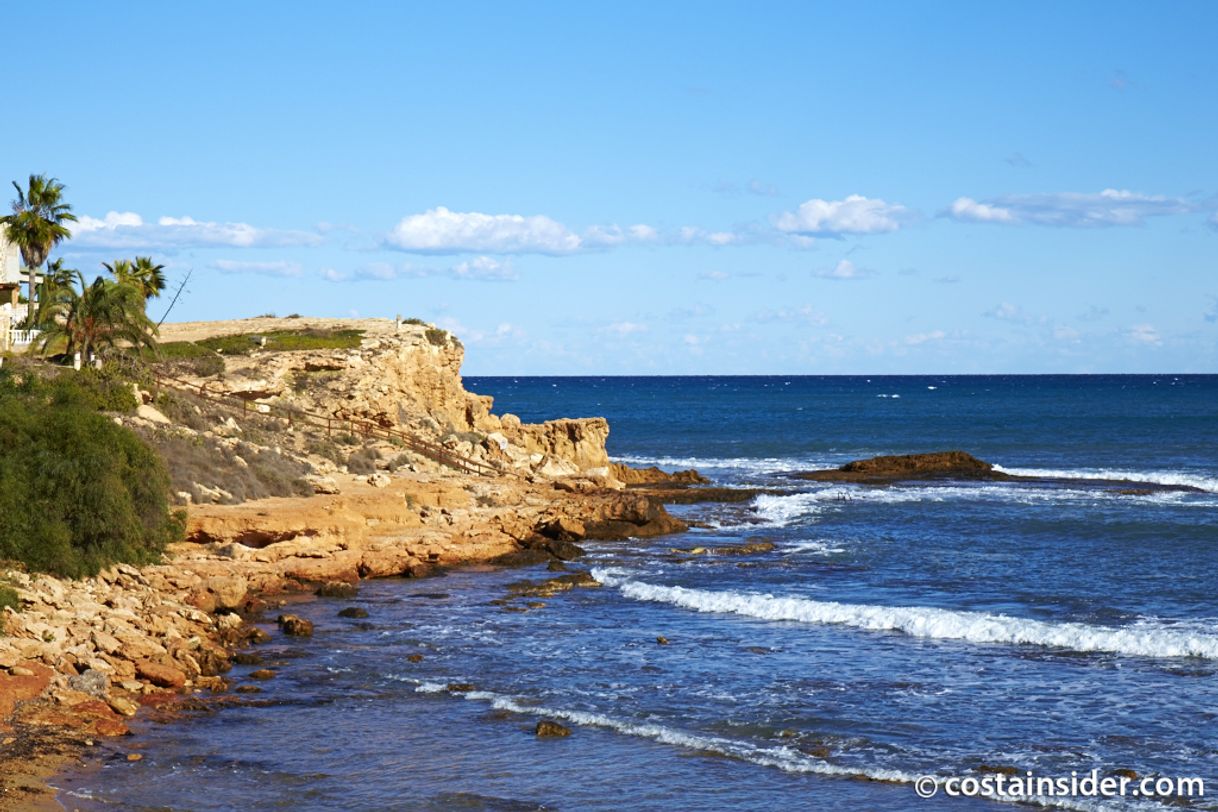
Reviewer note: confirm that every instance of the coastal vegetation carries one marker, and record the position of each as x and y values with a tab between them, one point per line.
37	224
77	491
284	341
94	319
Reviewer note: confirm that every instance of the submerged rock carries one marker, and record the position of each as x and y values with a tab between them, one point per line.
353	611
295	626
546	728
337	589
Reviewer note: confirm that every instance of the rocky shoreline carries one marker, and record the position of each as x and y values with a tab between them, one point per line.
83	657
302	471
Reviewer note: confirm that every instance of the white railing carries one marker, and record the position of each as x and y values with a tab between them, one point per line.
20	338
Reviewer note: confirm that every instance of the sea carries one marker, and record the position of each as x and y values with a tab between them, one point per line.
937	629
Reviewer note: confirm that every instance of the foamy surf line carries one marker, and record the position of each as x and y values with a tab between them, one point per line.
756	465
783	758
1169	478
928	622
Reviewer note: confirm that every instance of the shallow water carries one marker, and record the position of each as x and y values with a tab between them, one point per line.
893	631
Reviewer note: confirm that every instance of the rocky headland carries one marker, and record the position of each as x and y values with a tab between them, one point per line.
278	504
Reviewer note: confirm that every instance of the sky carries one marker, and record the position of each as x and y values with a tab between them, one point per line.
655	188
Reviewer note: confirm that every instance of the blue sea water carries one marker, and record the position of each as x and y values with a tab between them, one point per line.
928	628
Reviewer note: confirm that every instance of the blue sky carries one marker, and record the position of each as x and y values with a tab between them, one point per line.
642	188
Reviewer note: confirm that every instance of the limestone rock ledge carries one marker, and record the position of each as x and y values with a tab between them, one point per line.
407	376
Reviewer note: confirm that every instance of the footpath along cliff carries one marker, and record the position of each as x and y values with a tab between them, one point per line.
308	455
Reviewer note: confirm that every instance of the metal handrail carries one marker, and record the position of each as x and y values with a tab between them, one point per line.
354	425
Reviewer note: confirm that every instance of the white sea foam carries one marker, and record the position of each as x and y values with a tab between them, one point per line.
1193	480
787	759
786	509
779	511
1146	639
755	465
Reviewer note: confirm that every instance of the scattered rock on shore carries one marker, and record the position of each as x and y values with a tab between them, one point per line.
160	675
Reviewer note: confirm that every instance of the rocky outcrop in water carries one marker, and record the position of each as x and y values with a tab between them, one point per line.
882	470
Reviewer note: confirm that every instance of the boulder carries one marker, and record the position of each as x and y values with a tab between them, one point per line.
563	529
337	589
122	706
230	591
160	675
91	682
353	612
295	626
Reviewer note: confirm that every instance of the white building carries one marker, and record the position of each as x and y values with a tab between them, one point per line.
11	312
10	271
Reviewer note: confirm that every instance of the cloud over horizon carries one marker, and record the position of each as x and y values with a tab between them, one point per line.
1111	207
128	230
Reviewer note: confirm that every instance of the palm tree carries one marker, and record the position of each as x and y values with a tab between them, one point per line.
146	276
37	224
57	278
100	317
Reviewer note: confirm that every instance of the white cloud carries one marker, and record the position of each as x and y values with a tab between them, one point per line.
967	209
272	268
832	218
918	339
625	328
1144	334
483	268
440	231
715	276
611	235
128	230
480	268
804	313
1111	207
694	235
1212	314
1006	312
844	269
1067	334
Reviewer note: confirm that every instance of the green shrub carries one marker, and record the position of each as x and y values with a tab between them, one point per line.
105	390
77	491
243	471
8	599
284	341
436	336
363	461
416	322
186	356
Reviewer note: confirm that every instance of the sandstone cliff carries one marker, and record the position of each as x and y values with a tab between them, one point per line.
405	376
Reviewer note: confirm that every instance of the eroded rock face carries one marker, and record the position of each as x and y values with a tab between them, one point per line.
653	475
578	441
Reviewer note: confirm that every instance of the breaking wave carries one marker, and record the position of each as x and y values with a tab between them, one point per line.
1174	478
1147	639
787	759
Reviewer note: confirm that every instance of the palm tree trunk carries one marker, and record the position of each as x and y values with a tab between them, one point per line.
29	318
